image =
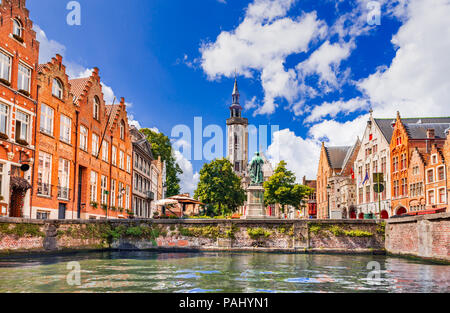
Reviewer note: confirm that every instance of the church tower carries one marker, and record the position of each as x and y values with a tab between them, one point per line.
237	135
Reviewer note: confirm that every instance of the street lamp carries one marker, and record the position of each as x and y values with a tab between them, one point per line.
328	200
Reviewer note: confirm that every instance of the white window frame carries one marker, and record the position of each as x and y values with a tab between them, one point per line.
437	173
121	159
105	151
104	188
5	61
127	197
438	195
23	77
114	155
64	178
57	88
47	118
434	177
96	108
4	119
65	129
17	28
434	196
95	144
113	193
84	133
24	120
45	174
128	163
94	186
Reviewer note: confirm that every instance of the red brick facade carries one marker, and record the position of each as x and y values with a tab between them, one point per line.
19	54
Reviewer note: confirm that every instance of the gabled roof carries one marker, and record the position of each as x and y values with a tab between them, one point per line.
337	155
112	110
78	86
419	131
350	152
145	146
387	129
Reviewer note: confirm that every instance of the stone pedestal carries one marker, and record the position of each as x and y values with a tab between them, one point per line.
255	203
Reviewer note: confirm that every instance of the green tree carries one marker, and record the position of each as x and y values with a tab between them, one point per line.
220	186
162	147
281	188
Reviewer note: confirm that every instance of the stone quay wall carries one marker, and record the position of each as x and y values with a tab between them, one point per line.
423	236
292	236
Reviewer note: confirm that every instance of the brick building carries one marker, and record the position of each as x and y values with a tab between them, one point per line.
19	55
334	177
311	203
409	135
446	153
435	180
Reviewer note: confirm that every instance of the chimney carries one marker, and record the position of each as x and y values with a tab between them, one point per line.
59	58
430	133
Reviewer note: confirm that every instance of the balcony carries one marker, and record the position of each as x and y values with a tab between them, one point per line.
63	193
150	195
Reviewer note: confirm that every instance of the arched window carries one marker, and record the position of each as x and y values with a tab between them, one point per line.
57	89
96	108
122	130
17	28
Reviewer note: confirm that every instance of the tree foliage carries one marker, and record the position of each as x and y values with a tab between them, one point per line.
281	188
162	147
220	187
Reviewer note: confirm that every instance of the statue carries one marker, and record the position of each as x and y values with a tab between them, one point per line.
256	170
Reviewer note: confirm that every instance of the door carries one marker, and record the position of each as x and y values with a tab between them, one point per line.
62	211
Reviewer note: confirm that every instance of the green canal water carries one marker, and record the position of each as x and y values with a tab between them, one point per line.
220	272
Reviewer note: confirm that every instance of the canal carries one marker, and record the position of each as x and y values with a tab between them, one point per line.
220	272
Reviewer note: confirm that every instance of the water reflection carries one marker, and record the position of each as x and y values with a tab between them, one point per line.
220	272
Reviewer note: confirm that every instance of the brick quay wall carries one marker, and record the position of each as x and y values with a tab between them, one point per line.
423	236
292	236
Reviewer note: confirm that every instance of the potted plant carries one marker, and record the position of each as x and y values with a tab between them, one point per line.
18	38
113	208
156	215
94	204
121	209
4	136
5	82
104	207
24	92
22	142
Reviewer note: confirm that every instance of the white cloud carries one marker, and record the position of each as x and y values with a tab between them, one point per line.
260	45
333	108
189	179
417	82
48	48
251	104
325	62
300	154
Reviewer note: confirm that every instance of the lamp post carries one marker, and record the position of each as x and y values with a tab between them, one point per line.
328	200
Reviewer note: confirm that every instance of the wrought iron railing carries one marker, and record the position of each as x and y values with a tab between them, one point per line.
44	189
63	193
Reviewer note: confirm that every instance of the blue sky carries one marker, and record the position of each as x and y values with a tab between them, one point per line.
312	67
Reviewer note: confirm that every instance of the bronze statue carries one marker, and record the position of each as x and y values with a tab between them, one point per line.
256	170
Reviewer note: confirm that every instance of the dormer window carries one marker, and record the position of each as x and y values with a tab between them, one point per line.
122	130
96	108
57	90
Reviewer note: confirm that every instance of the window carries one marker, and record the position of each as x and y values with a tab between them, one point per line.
375	166
65	129
121	159
113	193
128	164
63	179
434	159
404	187
44	174
114	155
42	215
441	173
396	188
383	165
121	194
442	196
105	151
395	163
94	145
17	28
5	66
1	180
3	119
431	197
83	138
96	108
22	122
104	188
375	149
94	177
368	194
430	176
57	89
24	78
403	164
122	130
127	198
399	141
47	119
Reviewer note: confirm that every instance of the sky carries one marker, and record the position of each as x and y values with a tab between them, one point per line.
309	69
